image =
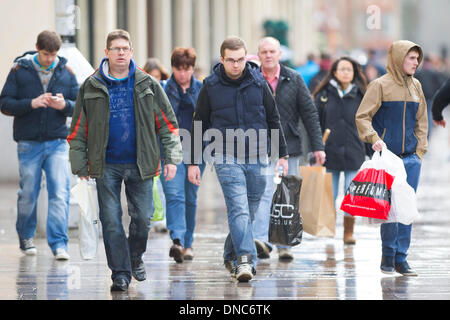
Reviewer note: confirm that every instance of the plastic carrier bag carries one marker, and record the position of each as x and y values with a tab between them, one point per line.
85	194
380	191
285	226
158	213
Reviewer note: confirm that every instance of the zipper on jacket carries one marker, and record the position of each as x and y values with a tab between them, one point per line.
404	125
404	114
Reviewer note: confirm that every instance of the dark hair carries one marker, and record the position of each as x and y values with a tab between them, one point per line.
183	57
358	77
415	49
49	41
117	34
152	64
232	43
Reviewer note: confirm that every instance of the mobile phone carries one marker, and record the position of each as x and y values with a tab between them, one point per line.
55	98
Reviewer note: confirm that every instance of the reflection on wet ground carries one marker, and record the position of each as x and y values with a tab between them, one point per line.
322	269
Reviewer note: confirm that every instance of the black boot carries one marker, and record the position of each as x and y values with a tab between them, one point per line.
138	270
119	284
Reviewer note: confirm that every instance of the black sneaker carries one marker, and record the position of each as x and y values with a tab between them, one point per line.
119	284
387	265
138	270
262	249
27	247
405	269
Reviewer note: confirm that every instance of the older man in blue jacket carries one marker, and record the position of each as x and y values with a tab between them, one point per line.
40	94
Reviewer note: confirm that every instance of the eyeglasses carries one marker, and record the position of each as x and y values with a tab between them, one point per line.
118	49
345	70
232	61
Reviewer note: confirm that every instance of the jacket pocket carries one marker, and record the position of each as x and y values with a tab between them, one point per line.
93	95
146	92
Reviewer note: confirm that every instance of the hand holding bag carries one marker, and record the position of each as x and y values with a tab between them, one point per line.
403	198
369	194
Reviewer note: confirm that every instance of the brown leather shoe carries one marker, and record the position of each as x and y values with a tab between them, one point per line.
349	223
176	252
188	254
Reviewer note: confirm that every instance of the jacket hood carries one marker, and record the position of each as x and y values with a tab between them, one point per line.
104	72
25	59
397	53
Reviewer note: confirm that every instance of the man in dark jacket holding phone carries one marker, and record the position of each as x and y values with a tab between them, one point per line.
40	94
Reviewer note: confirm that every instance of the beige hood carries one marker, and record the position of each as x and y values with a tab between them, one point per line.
397	53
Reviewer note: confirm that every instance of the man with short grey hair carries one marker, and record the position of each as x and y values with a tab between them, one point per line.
294	102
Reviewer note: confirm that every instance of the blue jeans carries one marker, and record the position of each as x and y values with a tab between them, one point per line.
120	251
52	157
262	216
348	177
243	186
181	205
396	237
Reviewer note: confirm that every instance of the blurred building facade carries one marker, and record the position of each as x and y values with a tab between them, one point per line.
158	26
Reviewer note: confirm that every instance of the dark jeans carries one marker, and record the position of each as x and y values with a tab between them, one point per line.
120	251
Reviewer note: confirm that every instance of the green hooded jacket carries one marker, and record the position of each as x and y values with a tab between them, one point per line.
88	134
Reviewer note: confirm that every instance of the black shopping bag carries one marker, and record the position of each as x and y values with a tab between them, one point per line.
285	221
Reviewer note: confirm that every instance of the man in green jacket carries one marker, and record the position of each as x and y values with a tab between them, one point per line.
113	138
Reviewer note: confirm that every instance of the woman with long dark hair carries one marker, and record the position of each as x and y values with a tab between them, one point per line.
337	98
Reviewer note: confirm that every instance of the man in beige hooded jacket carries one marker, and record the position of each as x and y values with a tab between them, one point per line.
393	114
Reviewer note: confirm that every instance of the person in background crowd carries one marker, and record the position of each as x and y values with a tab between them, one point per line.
40	94
373	61
309	69
431	81
371	72
393	114
337	98
236	97
182	89
154	68
294	103
325	65
441	100
113	138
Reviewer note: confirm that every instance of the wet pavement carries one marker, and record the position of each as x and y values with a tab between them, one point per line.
323	268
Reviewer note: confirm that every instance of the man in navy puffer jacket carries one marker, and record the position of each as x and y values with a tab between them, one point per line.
40	94
236	98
